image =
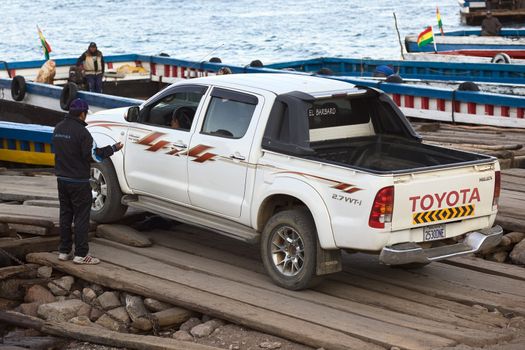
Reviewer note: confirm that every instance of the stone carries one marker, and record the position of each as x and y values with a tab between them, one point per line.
83	321
142	323
155	306
61	286
30	309
183	336
7	304
479	307
109	300
109	323
189	324
39	294
394	348
76	294
61	298
97	289
166	318
202	330
517	322
205	318
215	323
60	311
44	271
512	238
270	345
172	316
123	234
15	288
88	295
85	310
517	255
135	307
498	257
95	313
120	314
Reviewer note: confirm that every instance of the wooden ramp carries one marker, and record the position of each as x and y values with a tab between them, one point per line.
367	306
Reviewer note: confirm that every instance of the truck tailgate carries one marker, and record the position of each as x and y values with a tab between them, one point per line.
444	195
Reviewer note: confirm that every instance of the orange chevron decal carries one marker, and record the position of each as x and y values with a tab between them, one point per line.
443	214
148	139
157	146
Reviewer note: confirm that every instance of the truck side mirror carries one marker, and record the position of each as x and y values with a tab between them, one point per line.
133	114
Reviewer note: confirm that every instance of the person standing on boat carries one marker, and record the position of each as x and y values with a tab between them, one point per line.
93	62
490	26
75	149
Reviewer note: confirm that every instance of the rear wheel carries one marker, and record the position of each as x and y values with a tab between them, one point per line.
106	206
289	248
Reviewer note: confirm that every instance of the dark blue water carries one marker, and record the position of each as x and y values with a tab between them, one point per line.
236	31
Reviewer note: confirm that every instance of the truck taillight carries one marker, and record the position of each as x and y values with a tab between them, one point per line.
497	189
382	208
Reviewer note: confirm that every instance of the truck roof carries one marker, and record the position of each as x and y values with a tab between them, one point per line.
279	83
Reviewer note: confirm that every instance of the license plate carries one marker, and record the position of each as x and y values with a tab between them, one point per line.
434	232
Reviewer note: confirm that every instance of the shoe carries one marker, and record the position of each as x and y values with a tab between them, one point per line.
86	260
65	256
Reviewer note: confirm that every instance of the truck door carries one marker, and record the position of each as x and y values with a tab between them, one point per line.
219	151
155	162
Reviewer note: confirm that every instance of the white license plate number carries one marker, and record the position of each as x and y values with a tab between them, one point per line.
434	232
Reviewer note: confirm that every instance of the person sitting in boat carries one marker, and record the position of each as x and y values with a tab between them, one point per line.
490	26
93	63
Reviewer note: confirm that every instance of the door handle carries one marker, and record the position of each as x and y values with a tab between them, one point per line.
237	156
179	144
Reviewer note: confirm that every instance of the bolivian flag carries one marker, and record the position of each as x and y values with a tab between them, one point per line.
440	24
45	44
425	37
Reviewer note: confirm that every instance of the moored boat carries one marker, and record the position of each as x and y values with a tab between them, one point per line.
511	42
472	12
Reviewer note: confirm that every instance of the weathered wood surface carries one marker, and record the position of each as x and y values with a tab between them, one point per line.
98	335
503	143
511	213
367	305
22	188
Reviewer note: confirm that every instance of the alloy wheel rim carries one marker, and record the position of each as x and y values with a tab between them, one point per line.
99	189
287	251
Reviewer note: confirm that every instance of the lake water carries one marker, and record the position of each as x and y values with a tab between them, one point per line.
237	31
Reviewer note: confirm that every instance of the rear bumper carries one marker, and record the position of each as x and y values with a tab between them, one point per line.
406	253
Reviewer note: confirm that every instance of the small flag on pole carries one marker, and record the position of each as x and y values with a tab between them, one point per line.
45	44
425	37
440	23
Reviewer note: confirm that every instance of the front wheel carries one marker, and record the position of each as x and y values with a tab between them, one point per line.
106	206
289	249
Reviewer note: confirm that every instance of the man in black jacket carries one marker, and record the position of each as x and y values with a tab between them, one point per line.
75	149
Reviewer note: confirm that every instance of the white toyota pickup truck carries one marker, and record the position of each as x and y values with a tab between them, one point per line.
304	166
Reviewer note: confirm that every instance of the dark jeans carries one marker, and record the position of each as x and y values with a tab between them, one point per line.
75	206
94	82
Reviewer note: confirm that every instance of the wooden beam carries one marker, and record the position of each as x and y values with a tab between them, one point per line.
98	335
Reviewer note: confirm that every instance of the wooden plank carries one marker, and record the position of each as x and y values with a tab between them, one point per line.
510	223
360	327
21	247
97	335
21	188
446	282
9	271
514	172
488	267
421	306
271	322
450	327
30	212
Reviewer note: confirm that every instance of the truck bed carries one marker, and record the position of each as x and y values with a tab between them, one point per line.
386	154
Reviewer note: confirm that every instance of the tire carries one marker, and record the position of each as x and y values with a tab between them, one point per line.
501	58
291	223
107	206
69	93
468	86
18	88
